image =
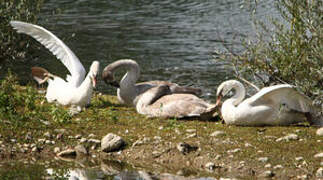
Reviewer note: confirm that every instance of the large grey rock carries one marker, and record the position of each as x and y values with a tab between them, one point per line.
111	142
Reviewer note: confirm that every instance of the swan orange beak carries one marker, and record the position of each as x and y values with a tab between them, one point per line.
218	100
94	81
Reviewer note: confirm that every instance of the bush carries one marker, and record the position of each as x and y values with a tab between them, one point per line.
290	52
11	45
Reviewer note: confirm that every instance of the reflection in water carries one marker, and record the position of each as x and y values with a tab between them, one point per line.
171	39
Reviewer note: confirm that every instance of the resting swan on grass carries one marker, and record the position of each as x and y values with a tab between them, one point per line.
76	90
128	91
274	105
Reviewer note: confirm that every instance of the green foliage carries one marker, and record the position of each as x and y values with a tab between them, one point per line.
59	114
13	46
289	51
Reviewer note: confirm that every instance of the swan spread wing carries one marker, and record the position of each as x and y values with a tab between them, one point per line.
278	95
57	47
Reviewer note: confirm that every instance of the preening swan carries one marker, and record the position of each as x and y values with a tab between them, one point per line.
274	105
128	91
76	90
159	101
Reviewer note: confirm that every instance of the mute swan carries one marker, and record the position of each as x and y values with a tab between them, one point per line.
128	92
274	105
76	91
159	101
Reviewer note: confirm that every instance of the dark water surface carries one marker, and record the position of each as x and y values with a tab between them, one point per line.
170	39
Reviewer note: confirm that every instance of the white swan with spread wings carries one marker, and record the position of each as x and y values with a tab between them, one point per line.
77	89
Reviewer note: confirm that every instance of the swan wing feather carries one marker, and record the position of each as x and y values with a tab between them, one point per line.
284	94
57	47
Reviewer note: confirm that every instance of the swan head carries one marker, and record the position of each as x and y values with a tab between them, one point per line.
225	88
108	77
94	70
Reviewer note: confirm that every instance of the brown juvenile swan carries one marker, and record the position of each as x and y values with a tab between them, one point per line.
159	101
128	91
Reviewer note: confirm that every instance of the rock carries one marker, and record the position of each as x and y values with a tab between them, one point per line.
80	150
210	166
185	148
217	157
83	140
263	159
268	166
61	131
299	158
57	150
217	133
267	174
111	142
34	149
234	150
319	155
319	172
94	141
78	136
278	166
319	132
47	134
191	135
91	136
247	145
28	137
67	152
289	137
190	130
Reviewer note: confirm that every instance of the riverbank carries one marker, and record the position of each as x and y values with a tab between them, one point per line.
183	147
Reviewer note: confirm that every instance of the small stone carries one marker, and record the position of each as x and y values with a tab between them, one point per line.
67	152
34	149
191	135
185	148
278	166
299	158
137	143
217	133
234	150
289	137
321	163
111	142
91	136
48	142
247	145
319	132
126	131
47	123
268	174
83	140
61	131
94	141
57	150
28	137
47	134
319	155
32	145
210	166
59	136
190	130
263	159
268	166
319	172
80	150
160	128
217	157
78	136
13	140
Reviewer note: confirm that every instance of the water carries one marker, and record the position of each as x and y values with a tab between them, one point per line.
171	40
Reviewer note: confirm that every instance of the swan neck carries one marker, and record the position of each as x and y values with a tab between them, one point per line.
240	93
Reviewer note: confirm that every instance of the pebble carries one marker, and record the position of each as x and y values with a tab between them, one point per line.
94	141
268	166
48	142
234	150
91	136
34	149
13	140
289	137
263	159
217	133
185	148
319	155
78	136
267	174
217	157
190	130
62	131
247	145
47	134
299	158
210	166
83	140
278	166
57	150
111	142
191	135
80	150
319	173
67	152
319	132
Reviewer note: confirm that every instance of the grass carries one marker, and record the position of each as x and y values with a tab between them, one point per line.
106	115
